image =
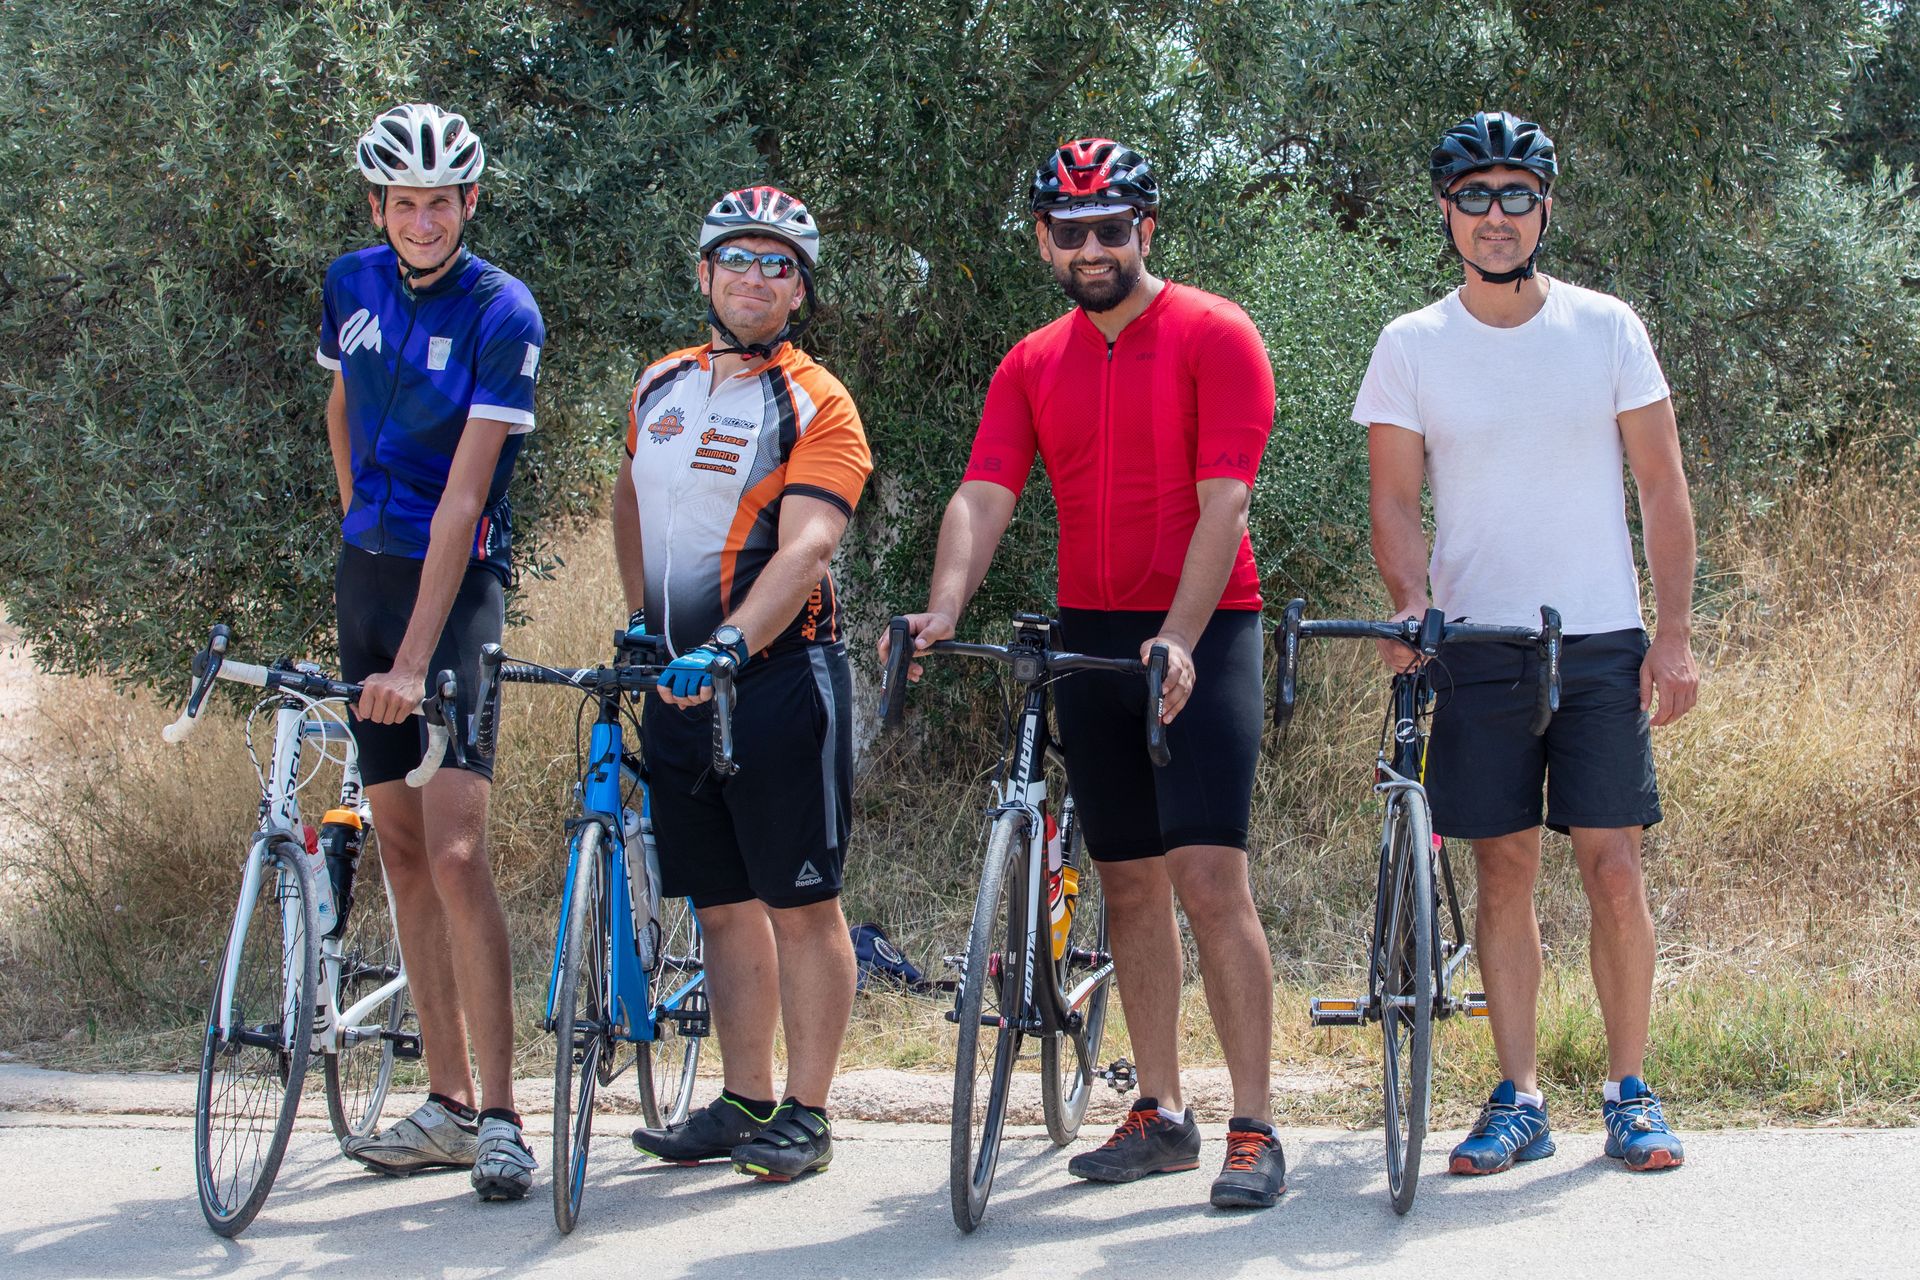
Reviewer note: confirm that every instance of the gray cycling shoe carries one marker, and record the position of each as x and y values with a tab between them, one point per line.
431	1138
503	1166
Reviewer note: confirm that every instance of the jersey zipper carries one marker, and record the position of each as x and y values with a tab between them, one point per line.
1106	478
393	390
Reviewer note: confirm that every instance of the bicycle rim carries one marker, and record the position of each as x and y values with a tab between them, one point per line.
1068	1061
249	1087
1403	967
579	1027
359	1073
989	999
666	1064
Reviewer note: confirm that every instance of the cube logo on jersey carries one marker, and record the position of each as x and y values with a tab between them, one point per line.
666	426
360	332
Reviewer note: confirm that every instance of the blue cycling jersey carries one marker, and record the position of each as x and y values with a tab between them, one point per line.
417	366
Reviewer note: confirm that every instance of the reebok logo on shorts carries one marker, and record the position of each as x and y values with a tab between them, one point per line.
807	878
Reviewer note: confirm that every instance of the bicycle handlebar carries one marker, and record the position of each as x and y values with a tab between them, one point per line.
1030	665
212	663
624	676
1425	635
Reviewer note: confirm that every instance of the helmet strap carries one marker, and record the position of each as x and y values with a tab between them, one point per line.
789	332
412	275
1516	276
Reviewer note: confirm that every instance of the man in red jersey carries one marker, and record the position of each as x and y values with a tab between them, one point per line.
1150	404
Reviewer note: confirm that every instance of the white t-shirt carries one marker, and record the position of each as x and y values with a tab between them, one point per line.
1524	457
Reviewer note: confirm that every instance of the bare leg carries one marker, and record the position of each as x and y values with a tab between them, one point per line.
817	978
1148	964
1508	934
743	993
1236	966
1621	946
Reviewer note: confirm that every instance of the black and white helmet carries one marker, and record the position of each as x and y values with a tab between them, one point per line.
419	145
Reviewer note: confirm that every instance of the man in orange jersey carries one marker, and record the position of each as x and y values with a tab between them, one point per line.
745	461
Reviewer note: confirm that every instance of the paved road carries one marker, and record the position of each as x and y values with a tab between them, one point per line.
111	1195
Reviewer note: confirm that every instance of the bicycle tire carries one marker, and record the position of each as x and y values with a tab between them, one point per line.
665	1066
996	962
359	1072
580	1026
1066	1079
249	1092
1403	987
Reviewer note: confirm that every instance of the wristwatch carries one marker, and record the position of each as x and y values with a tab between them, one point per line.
732	639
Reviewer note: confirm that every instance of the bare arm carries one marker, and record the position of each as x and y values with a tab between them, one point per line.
628	553
977	517
339	441
1651	437
390	696
1203	577
1397	470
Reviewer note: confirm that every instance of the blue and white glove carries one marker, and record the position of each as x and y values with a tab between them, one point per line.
690	674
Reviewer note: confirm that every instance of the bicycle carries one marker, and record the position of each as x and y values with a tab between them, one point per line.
627	967
302	975
1039	932
1419	949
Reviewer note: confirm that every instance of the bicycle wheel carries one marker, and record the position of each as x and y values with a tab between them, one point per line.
988	1010
1067	1062
677	986
360	1071
250	1079
582	1043
1403	986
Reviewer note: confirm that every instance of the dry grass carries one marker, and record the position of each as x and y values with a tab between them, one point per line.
1785	882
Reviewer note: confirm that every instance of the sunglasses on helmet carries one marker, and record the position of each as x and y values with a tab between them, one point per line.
1111	232
1514	201
774	266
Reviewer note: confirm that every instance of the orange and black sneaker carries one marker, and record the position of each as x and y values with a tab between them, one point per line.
1256	1170
1146	1142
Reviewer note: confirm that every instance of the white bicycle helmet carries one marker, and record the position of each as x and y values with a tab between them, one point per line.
764	211
419	145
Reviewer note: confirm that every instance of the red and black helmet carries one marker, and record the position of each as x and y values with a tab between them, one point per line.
1094	171
762	211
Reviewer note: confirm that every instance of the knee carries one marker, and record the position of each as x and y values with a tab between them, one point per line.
1133	892
1615	887
1506	869
1217	899
820	922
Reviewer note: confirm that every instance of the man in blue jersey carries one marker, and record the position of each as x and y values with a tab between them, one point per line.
434	355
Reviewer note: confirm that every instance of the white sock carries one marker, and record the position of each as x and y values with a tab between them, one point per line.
1531	1099
1610	1091
1174	1117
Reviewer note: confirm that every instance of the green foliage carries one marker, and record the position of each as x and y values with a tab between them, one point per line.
1880	115
173	180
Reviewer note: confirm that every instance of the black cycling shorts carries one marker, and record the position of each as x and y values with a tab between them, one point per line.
373	600
776	829
1485	770
1129	809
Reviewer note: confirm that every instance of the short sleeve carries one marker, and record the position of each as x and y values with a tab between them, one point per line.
508	367
328	352
1637	378
1236	398
831	460
1387	393
1004	446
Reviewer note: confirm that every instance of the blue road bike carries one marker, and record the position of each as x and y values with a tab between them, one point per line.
628	966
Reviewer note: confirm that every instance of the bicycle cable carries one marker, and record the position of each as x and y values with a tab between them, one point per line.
319	709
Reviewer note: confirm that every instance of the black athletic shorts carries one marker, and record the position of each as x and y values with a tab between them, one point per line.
1129	809
776	829
1484	770
372	601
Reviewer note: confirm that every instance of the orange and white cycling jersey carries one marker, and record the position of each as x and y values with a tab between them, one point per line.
710	465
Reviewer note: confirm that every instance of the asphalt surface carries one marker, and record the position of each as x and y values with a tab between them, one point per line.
102	1193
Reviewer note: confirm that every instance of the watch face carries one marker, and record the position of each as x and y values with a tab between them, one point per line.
729	636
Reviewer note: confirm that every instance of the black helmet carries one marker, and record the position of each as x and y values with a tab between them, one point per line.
1490	138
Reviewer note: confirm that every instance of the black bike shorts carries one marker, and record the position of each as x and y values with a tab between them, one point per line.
373	600
1484	770
776	829
1129	809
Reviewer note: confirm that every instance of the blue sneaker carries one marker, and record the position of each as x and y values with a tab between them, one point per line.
1507	1130
1637	1132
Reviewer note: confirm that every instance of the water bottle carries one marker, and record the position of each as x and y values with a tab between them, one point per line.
322	887
643	884
340	840
1063	888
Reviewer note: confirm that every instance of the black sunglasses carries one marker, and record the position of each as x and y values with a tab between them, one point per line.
1111	232
774	266
1514	201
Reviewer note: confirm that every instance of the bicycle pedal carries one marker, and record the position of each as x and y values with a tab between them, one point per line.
1475	1005
692	1022
406	1045
1119	1075
1337	1013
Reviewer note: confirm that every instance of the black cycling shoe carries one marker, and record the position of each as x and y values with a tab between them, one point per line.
1256	1170
798	1140
710	1133
1146	1142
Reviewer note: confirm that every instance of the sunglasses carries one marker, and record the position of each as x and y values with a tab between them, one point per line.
1111	232
1514	201
774	266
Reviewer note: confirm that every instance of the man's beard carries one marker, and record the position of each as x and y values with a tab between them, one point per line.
1100	295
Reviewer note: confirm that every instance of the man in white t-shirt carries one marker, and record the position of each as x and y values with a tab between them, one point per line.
1516	399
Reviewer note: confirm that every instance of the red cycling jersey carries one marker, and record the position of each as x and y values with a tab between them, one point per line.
1125	431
